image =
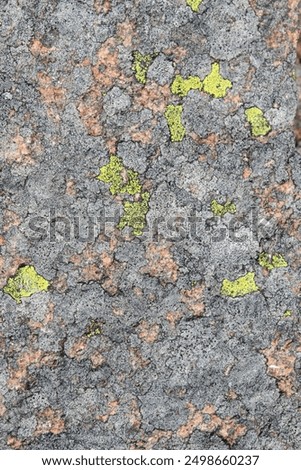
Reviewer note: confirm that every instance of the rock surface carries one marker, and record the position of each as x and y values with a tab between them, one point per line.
135	345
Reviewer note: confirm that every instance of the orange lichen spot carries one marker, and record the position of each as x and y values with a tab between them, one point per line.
39	50
22	150
274	205
37	358
160	263
148	332
287	188
135	417
14	443
106	259
70	187
126	32
153	96
138	291
111	277
106	69
211	140
112	409
106	73
90	108
10	219
247	173
99	267
283	38
49	421
193	299
178	53
102	6
119	312
234	100
231	394
194	421
137	361
97	359
2	406
148	442
92	272
60	283
281	360
51	94
206	420
34	325
173	318
145	137
111	144
77	348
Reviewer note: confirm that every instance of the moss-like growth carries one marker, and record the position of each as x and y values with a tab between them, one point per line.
221	209
141	64
287	313
194	4
120	179
135	214
126	181
259	124
173	115
25	283
271	262
181	86
239	287
93	329
214	84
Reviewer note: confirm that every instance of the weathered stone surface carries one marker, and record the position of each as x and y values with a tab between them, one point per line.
135	344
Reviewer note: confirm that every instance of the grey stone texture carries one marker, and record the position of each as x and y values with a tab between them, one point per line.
176	365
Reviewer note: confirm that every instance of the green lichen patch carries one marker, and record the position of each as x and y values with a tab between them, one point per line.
25	283
194	4
121	180
287	313
239	287
125	181
141	63
94	329
214	84
135	214
259	124
222	209
271	262
181	86
173	115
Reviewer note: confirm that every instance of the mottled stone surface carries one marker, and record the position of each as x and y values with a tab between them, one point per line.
134	345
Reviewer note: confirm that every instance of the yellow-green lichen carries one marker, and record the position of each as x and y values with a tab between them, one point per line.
121	180
221	209
214	84
124	182
259	124
93	329
239	287
181	86
271	262
173	115
141	63
287	313
25	283
135	214
194	4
